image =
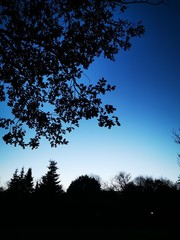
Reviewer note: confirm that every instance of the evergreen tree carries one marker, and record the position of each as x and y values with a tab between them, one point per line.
14	183
21	184
50	183
29	181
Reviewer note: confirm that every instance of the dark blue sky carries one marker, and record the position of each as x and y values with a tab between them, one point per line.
147	100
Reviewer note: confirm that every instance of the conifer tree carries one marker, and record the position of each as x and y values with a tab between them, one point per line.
29	181
50	183
13	184
21	184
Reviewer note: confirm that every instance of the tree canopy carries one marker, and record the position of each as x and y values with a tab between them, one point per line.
84	184
45	46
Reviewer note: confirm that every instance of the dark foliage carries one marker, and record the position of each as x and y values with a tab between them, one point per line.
21	184
144	203
84	185
50	184
45	46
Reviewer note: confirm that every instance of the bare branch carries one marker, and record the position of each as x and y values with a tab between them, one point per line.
176	136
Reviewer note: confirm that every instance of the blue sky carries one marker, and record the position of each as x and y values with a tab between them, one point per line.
147	100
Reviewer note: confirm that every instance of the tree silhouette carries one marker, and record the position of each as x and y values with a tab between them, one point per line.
50	183
45	47
21	184
14	183
119	181
144	184
84	185
163	185
28	179
142	203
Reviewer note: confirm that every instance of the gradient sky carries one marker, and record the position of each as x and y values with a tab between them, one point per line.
147	100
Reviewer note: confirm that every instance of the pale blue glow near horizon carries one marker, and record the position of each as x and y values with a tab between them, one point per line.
147	101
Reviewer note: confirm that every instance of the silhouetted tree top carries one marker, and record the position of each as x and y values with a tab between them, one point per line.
44	47
22	183
120	181
149	184
50	183
84	185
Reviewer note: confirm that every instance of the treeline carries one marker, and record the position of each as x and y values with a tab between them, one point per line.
144	201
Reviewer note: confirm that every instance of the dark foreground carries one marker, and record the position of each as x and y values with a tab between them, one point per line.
107	215
38	232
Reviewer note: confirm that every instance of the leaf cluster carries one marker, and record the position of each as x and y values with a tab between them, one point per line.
45	46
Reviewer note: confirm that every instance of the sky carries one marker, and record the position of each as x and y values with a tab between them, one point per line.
147	99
